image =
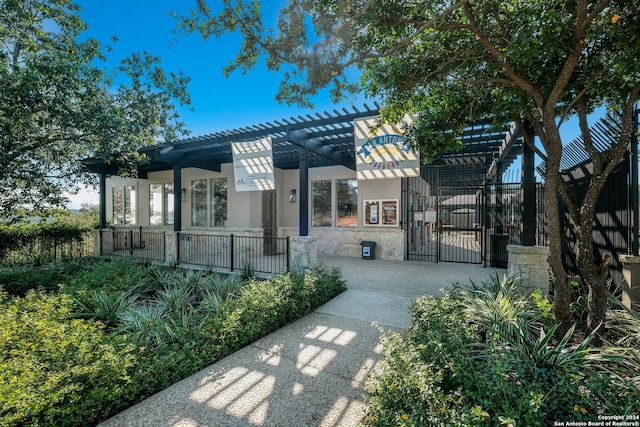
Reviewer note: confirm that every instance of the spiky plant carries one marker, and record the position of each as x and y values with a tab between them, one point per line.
226	286
145	321
176	296
107	307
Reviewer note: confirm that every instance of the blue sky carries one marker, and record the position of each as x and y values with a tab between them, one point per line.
219	103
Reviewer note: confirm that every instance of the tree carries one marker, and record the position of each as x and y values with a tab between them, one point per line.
454	62
58	106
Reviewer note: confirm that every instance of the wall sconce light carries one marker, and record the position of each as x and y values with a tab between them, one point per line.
183	195
292	196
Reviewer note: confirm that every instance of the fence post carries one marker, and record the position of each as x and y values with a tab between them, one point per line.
131	242
288	256
232	251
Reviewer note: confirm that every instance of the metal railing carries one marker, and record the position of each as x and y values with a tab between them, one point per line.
139	244
258	254
49	249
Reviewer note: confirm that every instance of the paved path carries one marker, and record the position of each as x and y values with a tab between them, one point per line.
310	373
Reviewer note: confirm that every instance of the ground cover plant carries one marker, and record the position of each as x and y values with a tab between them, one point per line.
113	332
486	355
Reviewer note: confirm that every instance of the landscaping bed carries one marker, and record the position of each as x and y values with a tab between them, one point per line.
486	356
101	335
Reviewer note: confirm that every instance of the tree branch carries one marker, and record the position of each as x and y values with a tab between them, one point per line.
496	55
596	156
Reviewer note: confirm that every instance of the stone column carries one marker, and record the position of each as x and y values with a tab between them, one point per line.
529	265
171	247
96	241
631	282
304	252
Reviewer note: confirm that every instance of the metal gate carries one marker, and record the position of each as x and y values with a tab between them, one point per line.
460	224
444	224
419	220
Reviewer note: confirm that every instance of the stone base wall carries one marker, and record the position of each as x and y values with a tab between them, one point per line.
171	247
631	282
304	252
529	264
346	241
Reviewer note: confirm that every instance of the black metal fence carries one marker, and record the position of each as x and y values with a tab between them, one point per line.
613	226
254	253
48	249
503	221
134	243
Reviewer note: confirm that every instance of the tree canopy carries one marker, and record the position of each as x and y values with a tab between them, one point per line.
454	62
59	105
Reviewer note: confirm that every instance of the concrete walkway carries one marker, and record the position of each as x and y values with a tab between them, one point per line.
309	373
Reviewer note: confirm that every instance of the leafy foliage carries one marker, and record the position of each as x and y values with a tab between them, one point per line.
442	371
118	331
55	370
43	242
58	105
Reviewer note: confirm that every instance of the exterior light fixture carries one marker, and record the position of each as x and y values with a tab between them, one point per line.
292	196
183	195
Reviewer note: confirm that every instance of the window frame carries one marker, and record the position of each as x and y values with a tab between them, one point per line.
313	198
208	203
353	204
128	194
166	211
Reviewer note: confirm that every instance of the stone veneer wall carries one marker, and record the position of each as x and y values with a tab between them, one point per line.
530	265
304	251
346	241
631	282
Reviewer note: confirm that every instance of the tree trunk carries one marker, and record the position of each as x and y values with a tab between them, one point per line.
590	268
562	289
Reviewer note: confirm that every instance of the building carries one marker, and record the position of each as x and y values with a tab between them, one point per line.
338	177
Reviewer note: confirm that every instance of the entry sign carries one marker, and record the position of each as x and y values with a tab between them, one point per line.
253	165
382	151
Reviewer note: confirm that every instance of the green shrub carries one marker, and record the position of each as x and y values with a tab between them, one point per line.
56	370
44	242
18	279
484	356
61	365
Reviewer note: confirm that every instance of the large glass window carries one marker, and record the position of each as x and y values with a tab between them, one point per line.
161	204
155	204
209	202
199	203
321	203
346	203
124	205
218	202
168	203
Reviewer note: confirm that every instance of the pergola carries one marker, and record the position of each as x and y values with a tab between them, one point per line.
322	139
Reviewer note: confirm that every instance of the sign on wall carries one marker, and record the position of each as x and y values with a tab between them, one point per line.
382	212
253	165
382	151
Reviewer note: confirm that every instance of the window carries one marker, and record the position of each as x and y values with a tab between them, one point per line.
199	203
218	202
209	202
168	203
346	203
161	204
124	205
321	203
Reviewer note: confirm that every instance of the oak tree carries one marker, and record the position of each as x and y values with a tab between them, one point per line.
59	104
